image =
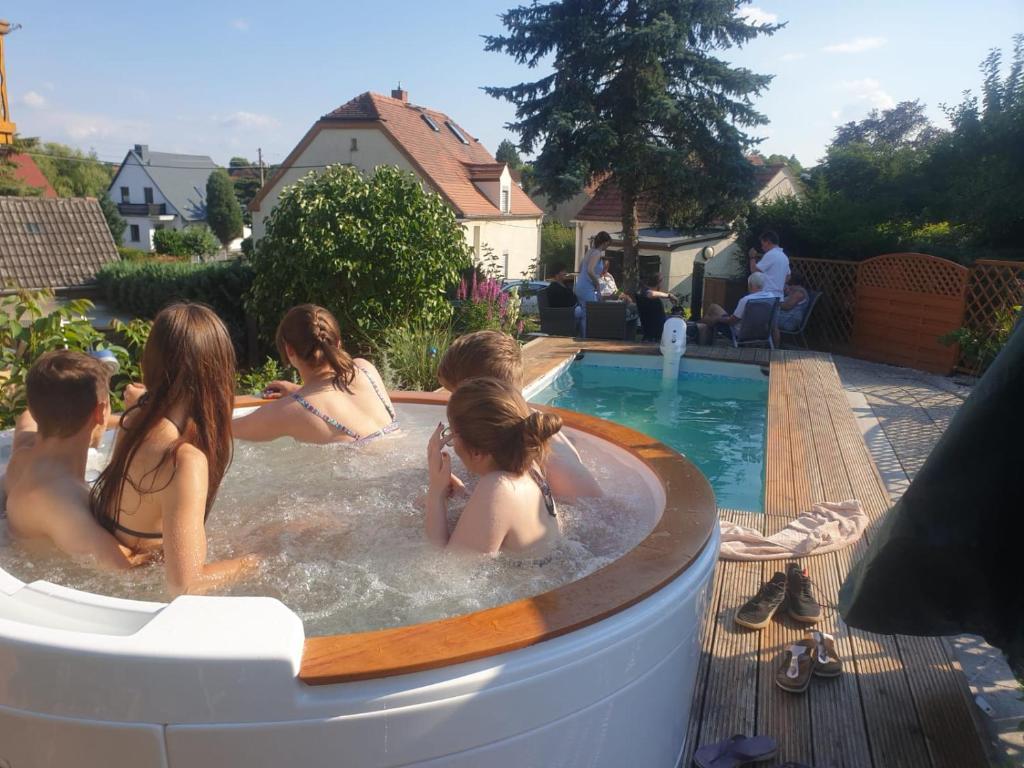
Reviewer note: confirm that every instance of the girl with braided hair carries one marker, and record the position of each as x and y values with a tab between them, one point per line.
340	400
499	438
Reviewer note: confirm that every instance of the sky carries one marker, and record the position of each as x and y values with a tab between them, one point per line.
225	78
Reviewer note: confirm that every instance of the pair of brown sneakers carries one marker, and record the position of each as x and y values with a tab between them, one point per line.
814	655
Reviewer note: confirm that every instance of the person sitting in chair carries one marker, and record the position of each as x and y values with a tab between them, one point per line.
650	306
559	294
755	290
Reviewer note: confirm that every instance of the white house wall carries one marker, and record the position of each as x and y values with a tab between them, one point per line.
515	242
519	238
134	176
328	147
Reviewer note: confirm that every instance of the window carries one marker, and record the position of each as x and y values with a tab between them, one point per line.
134	233
504	258
429	121
125	195
476	242
147	194
354	146
458	133
505	195
33	228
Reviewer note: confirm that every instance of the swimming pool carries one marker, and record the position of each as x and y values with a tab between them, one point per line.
713	413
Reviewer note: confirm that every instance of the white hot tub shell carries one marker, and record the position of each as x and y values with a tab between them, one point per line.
93	682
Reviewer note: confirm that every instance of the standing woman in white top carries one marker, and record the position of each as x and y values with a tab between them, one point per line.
774	264
587	286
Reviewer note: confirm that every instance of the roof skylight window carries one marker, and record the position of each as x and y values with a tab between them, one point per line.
455	129
429	121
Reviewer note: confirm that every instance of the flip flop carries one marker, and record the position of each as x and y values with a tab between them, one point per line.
736	751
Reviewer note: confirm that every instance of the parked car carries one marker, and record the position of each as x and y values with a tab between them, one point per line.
528	290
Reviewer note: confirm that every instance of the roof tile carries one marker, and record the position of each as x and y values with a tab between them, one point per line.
52	243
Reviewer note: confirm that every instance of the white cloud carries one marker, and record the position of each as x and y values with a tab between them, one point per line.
755	15
868	91
33	99
243	120
857	45
242	25
793	56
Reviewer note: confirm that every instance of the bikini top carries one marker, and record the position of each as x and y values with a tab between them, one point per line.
337	425
545	491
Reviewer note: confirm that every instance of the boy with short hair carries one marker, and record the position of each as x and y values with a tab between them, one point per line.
47	496
497	355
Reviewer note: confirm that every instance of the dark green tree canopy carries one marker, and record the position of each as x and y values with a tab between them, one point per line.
223	213
508	154
638	92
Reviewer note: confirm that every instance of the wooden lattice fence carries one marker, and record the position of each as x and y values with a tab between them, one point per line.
831	328
978	301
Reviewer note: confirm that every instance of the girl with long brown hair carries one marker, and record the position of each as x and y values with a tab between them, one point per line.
499	438
173	448
340	400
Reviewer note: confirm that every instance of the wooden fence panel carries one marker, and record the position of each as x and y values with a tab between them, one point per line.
904	303
831	327
993	290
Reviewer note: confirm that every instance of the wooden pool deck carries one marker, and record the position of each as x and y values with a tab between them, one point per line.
901	701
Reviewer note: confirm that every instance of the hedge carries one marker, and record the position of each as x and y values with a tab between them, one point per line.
144	288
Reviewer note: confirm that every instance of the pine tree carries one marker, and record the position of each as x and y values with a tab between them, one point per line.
637	95
508	154
223	213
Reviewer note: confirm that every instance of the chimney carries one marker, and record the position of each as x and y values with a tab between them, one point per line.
400	94
142	150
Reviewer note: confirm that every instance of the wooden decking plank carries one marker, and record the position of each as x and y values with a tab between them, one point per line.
839	734
936	689
781	715
894	729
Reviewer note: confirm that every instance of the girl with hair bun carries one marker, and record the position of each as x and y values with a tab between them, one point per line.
499	438
340	400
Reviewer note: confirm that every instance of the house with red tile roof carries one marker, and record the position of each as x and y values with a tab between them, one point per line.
26	171
373	130
667	251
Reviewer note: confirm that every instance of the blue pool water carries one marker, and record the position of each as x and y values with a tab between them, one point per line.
715	414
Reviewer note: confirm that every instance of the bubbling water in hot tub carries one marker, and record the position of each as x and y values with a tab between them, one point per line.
340	532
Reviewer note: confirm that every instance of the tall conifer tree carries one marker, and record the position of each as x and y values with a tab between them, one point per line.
637	95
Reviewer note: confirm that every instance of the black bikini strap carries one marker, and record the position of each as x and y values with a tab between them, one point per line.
545	490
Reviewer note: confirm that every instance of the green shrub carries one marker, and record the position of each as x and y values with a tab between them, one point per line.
408	356
223	213
368	248
185	243
30	330
255	380
144	288
557	245
980	347
133	254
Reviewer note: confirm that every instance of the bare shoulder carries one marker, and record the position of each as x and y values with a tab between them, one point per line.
191	459
369	367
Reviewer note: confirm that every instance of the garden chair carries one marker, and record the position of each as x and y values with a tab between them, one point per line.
608	320
555	321
757	323
799	332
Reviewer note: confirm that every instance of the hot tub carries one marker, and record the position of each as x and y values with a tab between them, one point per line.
598	672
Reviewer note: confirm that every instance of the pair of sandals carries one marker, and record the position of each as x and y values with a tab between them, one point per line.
739	750
814	655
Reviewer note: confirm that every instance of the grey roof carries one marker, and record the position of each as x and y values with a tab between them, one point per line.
180	178
52	242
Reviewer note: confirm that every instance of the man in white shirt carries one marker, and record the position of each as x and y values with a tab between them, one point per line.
774	264
755	290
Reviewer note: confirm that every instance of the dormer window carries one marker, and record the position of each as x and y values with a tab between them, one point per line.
506	198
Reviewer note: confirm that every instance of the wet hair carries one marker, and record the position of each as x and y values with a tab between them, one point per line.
314	336
63	389
188	361
491	417
770	236
756	281
483	353
601	238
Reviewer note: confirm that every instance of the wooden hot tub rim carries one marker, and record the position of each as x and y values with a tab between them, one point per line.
675	542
